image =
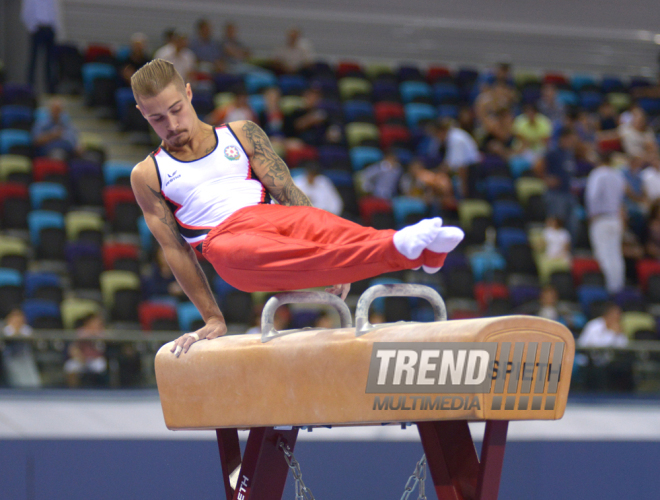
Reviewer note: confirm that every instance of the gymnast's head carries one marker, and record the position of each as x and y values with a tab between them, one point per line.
165	101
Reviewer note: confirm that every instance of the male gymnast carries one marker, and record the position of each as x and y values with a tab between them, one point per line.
211	188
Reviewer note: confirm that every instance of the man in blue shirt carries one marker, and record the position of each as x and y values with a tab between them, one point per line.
53	134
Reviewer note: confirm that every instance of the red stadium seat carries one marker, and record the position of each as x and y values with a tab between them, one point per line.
43	167
148	312
463	314
95	52
370	205
11	190
393	134
115	251
385	111
349	68
582	266
113	195
645	269
485	292
556	79
613	144
295	155
437	73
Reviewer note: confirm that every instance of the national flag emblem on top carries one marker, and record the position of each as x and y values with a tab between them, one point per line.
232	153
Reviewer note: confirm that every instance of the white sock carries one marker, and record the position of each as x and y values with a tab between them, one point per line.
412	240
447	239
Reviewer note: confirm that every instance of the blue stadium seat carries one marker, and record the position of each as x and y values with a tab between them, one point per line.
146	238
10	277
590	100
39	308
115	170
651	106
504	210
568	97
415	112
507	236
332	156
257	103
579	82
43	219
362	156
518	165
497	186
340	178
257	81
292	84
40	191
92	71
589	294
409	73
412	89
405	156
10	137
357	110
221	287
385	90
188	314
523	294
11	114
34	281
202	102
124	98
445	93
484	263
402	206
612	84
448	111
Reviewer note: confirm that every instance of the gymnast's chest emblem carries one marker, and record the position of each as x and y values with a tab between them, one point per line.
232	153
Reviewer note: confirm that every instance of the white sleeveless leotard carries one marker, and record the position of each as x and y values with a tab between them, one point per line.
203	193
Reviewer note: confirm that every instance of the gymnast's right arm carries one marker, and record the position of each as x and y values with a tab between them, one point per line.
178	253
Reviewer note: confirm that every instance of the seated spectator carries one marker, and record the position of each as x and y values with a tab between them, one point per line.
556	168
310	123
272	118
434	186
54	135
604	331
637	137
295	55
137	58
87	364
632	250
650	179
208	51
325	321
319	189
498	134
466	119
608	119
239	109
652	233
532	131
635	201
178	53
18	360
160	282
551	106
234	52
381	179
556	240
494	98
549	304
586	129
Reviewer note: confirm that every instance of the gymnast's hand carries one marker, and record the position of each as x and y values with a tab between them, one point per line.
341	290
214	328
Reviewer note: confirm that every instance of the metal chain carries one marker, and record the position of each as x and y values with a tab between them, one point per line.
302	491
418	478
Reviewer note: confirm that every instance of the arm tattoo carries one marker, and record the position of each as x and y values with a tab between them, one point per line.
276	177
167	218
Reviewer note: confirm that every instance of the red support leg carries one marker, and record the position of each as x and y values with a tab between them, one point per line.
230	457
492	458
264	470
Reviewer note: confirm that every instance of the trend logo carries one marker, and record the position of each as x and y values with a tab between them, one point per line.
172	174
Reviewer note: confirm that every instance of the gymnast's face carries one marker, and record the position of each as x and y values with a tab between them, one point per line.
171	114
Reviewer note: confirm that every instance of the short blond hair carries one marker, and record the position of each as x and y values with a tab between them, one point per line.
153	77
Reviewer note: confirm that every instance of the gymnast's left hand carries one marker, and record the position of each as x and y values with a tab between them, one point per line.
214	328
341	290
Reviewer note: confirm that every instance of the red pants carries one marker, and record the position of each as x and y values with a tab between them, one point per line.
276	248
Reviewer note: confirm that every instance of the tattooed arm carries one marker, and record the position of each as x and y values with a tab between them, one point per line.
179	255
269	167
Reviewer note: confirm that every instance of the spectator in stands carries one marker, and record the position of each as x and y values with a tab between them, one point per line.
18	360
498	134
636	201
549	304
281	318
295	55
556	241
603	196
608	119
54	135
272	118
381	179
551	106
637	137
41	18
310	123
160	282
435	186
586	129
604	331
325	321
238	109
466	119
319	189
234	51
556	169
494	98
652	233
632	251
178	53
137	58
87	364
650	178
208	51
532	131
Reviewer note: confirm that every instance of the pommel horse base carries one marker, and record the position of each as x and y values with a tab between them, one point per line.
436	375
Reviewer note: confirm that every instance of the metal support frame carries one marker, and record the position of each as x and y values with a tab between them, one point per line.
457	472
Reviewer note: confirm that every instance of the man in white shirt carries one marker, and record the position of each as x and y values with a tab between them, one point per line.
604	194
178	53
461	151
41	18
296	54
604	331
319	189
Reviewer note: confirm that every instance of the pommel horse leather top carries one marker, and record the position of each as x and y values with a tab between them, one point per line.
503	368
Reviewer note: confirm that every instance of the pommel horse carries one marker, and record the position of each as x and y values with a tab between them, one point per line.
437	375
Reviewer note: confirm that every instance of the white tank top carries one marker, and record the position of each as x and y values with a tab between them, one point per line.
203	193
